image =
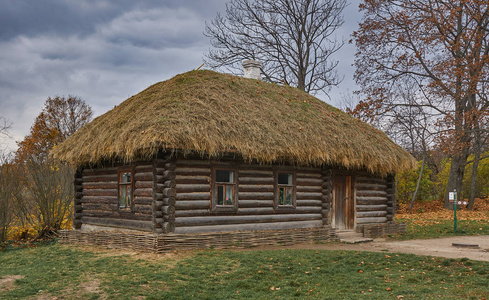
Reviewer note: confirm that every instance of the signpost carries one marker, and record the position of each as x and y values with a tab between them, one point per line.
452	197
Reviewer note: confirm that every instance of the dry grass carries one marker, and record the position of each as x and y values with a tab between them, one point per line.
212	114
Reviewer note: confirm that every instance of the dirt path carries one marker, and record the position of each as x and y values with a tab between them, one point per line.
434	247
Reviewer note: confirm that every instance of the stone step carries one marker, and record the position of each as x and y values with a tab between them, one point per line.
352	237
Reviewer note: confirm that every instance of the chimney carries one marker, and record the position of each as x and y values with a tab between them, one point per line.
252	69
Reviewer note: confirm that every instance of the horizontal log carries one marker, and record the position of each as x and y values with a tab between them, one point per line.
327	185
255	203
326	205
192	179
122	215
160	196
192	171
100	171
164	201
256	180
78	215
166	192
168	227
370	214
368	193
101	185
370	186
195	204
371	220
168	209
310	175
371	200
169	218
101	206
78	207
143	184
192	188
192	162
119	223
97	178
252	226
103	199
158	222
308	195
309	189
158	213
362	180
191	213
309	202
256	173
144	192
309	182
371	207
143	209
144	168
168	175
193	196
78	188
246	219
170	184
143	200
254	188
146	176
100	192
256	196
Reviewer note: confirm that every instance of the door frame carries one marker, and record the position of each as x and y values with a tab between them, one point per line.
351	186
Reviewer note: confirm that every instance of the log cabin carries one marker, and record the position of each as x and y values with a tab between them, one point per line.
207	159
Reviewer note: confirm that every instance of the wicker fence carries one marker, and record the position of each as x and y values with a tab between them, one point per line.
167	242
376	230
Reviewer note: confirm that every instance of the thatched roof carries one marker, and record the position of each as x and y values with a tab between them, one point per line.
212	114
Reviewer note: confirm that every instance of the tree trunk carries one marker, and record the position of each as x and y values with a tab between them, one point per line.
456	176
475	166
417	184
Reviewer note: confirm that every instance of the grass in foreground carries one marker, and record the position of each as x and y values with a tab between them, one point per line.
58	270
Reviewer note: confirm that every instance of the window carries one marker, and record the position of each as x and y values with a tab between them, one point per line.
284	190
125	190
224	190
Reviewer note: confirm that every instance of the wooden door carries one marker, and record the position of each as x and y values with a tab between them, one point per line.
343	203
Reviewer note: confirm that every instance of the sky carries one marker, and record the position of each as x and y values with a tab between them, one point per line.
105	51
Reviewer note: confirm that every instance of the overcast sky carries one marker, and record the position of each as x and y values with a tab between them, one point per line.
106	51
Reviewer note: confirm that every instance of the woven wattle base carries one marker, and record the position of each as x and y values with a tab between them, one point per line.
167	242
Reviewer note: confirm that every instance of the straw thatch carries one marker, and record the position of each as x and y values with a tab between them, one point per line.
214	114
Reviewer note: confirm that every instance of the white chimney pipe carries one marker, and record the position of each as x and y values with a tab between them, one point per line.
252	69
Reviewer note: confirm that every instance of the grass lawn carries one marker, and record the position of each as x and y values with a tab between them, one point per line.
73	273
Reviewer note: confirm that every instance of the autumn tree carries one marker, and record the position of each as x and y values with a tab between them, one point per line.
59	118
48	183
294	40
442	47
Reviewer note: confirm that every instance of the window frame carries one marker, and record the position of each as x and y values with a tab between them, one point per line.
214	185
129	207
276	190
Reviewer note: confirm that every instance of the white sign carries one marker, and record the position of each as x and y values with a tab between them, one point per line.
451	196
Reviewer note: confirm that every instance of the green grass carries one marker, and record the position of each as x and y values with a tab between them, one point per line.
441	228
58	270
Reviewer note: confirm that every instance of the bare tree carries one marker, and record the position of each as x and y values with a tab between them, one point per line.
293	39
442	46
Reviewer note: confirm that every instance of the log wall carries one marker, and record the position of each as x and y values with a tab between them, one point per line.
255	194
372	199
99	198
